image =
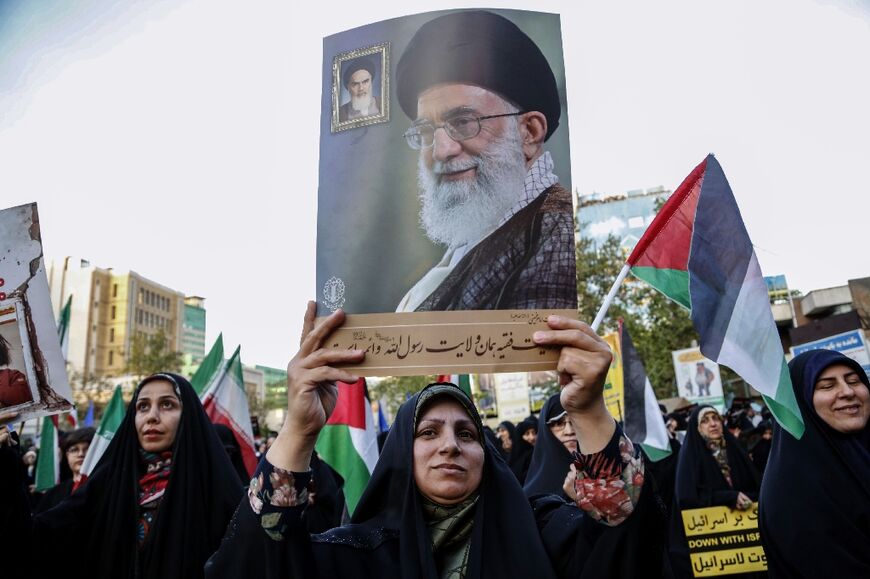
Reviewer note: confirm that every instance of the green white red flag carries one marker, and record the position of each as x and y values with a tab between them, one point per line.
109	424
48	462
209	368
226	402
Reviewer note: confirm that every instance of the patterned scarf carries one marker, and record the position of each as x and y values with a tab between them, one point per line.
152	486
720	455
450	530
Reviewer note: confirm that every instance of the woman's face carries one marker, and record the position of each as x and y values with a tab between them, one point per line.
158	411
448	454
564	431
710	426
505	436
531	436
841	399
75	456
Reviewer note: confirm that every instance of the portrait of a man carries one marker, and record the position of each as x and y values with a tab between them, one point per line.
482	101
358	79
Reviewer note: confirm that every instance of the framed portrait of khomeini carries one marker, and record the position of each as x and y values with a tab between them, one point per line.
361	87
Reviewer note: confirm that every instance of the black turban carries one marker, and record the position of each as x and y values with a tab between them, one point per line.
482	49
355	65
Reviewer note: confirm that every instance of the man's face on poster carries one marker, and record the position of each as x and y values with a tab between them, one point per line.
467	185
359	86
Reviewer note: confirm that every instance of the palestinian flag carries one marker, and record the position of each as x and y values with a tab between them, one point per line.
461	380
209	367
48	462
63	328
226	402
697	252
349	442
109	424
643	419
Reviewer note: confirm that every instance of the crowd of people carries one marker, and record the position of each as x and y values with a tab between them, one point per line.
561	494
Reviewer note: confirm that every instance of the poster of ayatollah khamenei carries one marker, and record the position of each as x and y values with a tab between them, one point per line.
445	215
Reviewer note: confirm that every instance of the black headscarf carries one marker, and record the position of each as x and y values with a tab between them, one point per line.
511	429
550	459
815	500
97	524
521	451
510	545
233	450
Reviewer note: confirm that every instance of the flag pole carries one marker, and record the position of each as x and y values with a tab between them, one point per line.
602	311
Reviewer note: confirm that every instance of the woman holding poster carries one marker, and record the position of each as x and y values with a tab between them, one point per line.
441	503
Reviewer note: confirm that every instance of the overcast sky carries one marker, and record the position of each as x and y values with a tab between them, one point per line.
179	138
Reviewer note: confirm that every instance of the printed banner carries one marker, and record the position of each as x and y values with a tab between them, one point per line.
614	384
698	378
851	344
445	171
446	342
724	541
512	396
33	377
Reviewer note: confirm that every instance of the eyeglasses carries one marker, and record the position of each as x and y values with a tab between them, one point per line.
461	128
558	422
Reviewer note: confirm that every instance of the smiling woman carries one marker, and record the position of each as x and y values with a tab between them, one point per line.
822	480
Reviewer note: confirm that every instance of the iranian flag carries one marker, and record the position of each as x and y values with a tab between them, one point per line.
226	402
63	327
348	442
461	380
48	462
643	419
109	424
209	368
697	252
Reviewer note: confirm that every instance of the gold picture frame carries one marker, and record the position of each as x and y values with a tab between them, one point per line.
375	60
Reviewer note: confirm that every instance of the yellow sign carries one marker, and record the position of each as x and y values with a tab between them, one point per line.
724	541
614	384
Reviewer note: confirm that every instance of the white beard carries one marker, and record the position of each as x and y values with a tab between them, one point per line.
455	213
361	104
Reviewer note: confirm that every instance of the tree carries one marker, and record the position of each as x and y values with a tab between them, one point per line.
657	325
149	354
396	389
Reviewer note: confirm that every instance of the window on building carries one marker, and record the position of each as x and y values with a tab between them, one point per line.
114	290
113	312
141	296
111	357
111	335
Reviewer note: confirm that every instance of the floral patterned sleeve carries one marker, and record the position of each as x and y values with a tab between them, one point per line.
276	496
609	482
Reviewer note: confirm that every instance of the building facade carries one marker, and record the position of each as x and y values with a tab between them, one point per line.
193	330
625	216
108	309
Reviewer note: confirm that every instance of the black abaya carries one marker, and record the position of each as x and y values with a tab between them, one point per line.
551	461
700	483
93	532
814	510
389	537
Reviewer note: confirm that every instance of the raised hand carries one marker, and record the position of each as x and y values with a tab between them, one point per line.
311	390
6	417
583	363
